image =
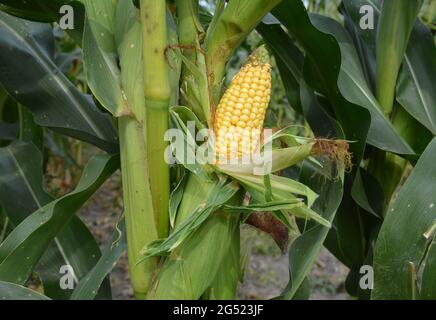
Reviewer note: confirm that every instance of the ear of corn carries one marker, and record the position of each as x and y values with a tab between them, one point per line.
240	113
200	263
206	264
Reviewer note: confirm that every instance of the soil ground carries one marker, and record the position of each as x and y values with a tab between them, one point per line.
266	273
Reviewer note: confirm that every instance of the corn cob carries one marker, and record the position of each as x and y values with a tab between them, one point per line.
241	111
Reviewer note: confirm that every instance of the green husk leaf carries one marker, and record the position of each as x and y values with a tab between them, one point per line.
226	280
280	159
267	184
192	268
176	197
283	189
180	116
222	193
280	186
267	206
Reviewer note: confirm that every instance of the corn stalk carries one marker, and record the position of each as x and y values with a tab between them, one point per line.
138	206
146	190
157	97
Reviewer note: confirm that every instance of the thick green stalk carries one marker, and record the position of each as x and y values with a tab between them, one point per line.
393	31
233	25
157	97
138	206
140	219
188	26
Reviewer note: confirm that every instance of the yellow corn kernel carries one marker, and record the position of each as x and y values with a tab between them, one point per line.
243	106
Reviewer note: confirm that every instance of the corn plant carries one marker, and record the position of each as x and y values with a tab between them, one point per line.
145	83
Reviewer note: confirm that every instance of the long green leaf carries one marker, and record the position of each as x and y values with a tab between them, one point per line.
407	234
25	245
289	61
88	287
321	71
282	189
428	285
5	225
30	76
354	120
367	192
12	291
323	124
353	86
415	87
306	247
344	239
46	11
29	130
100	53
22	193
